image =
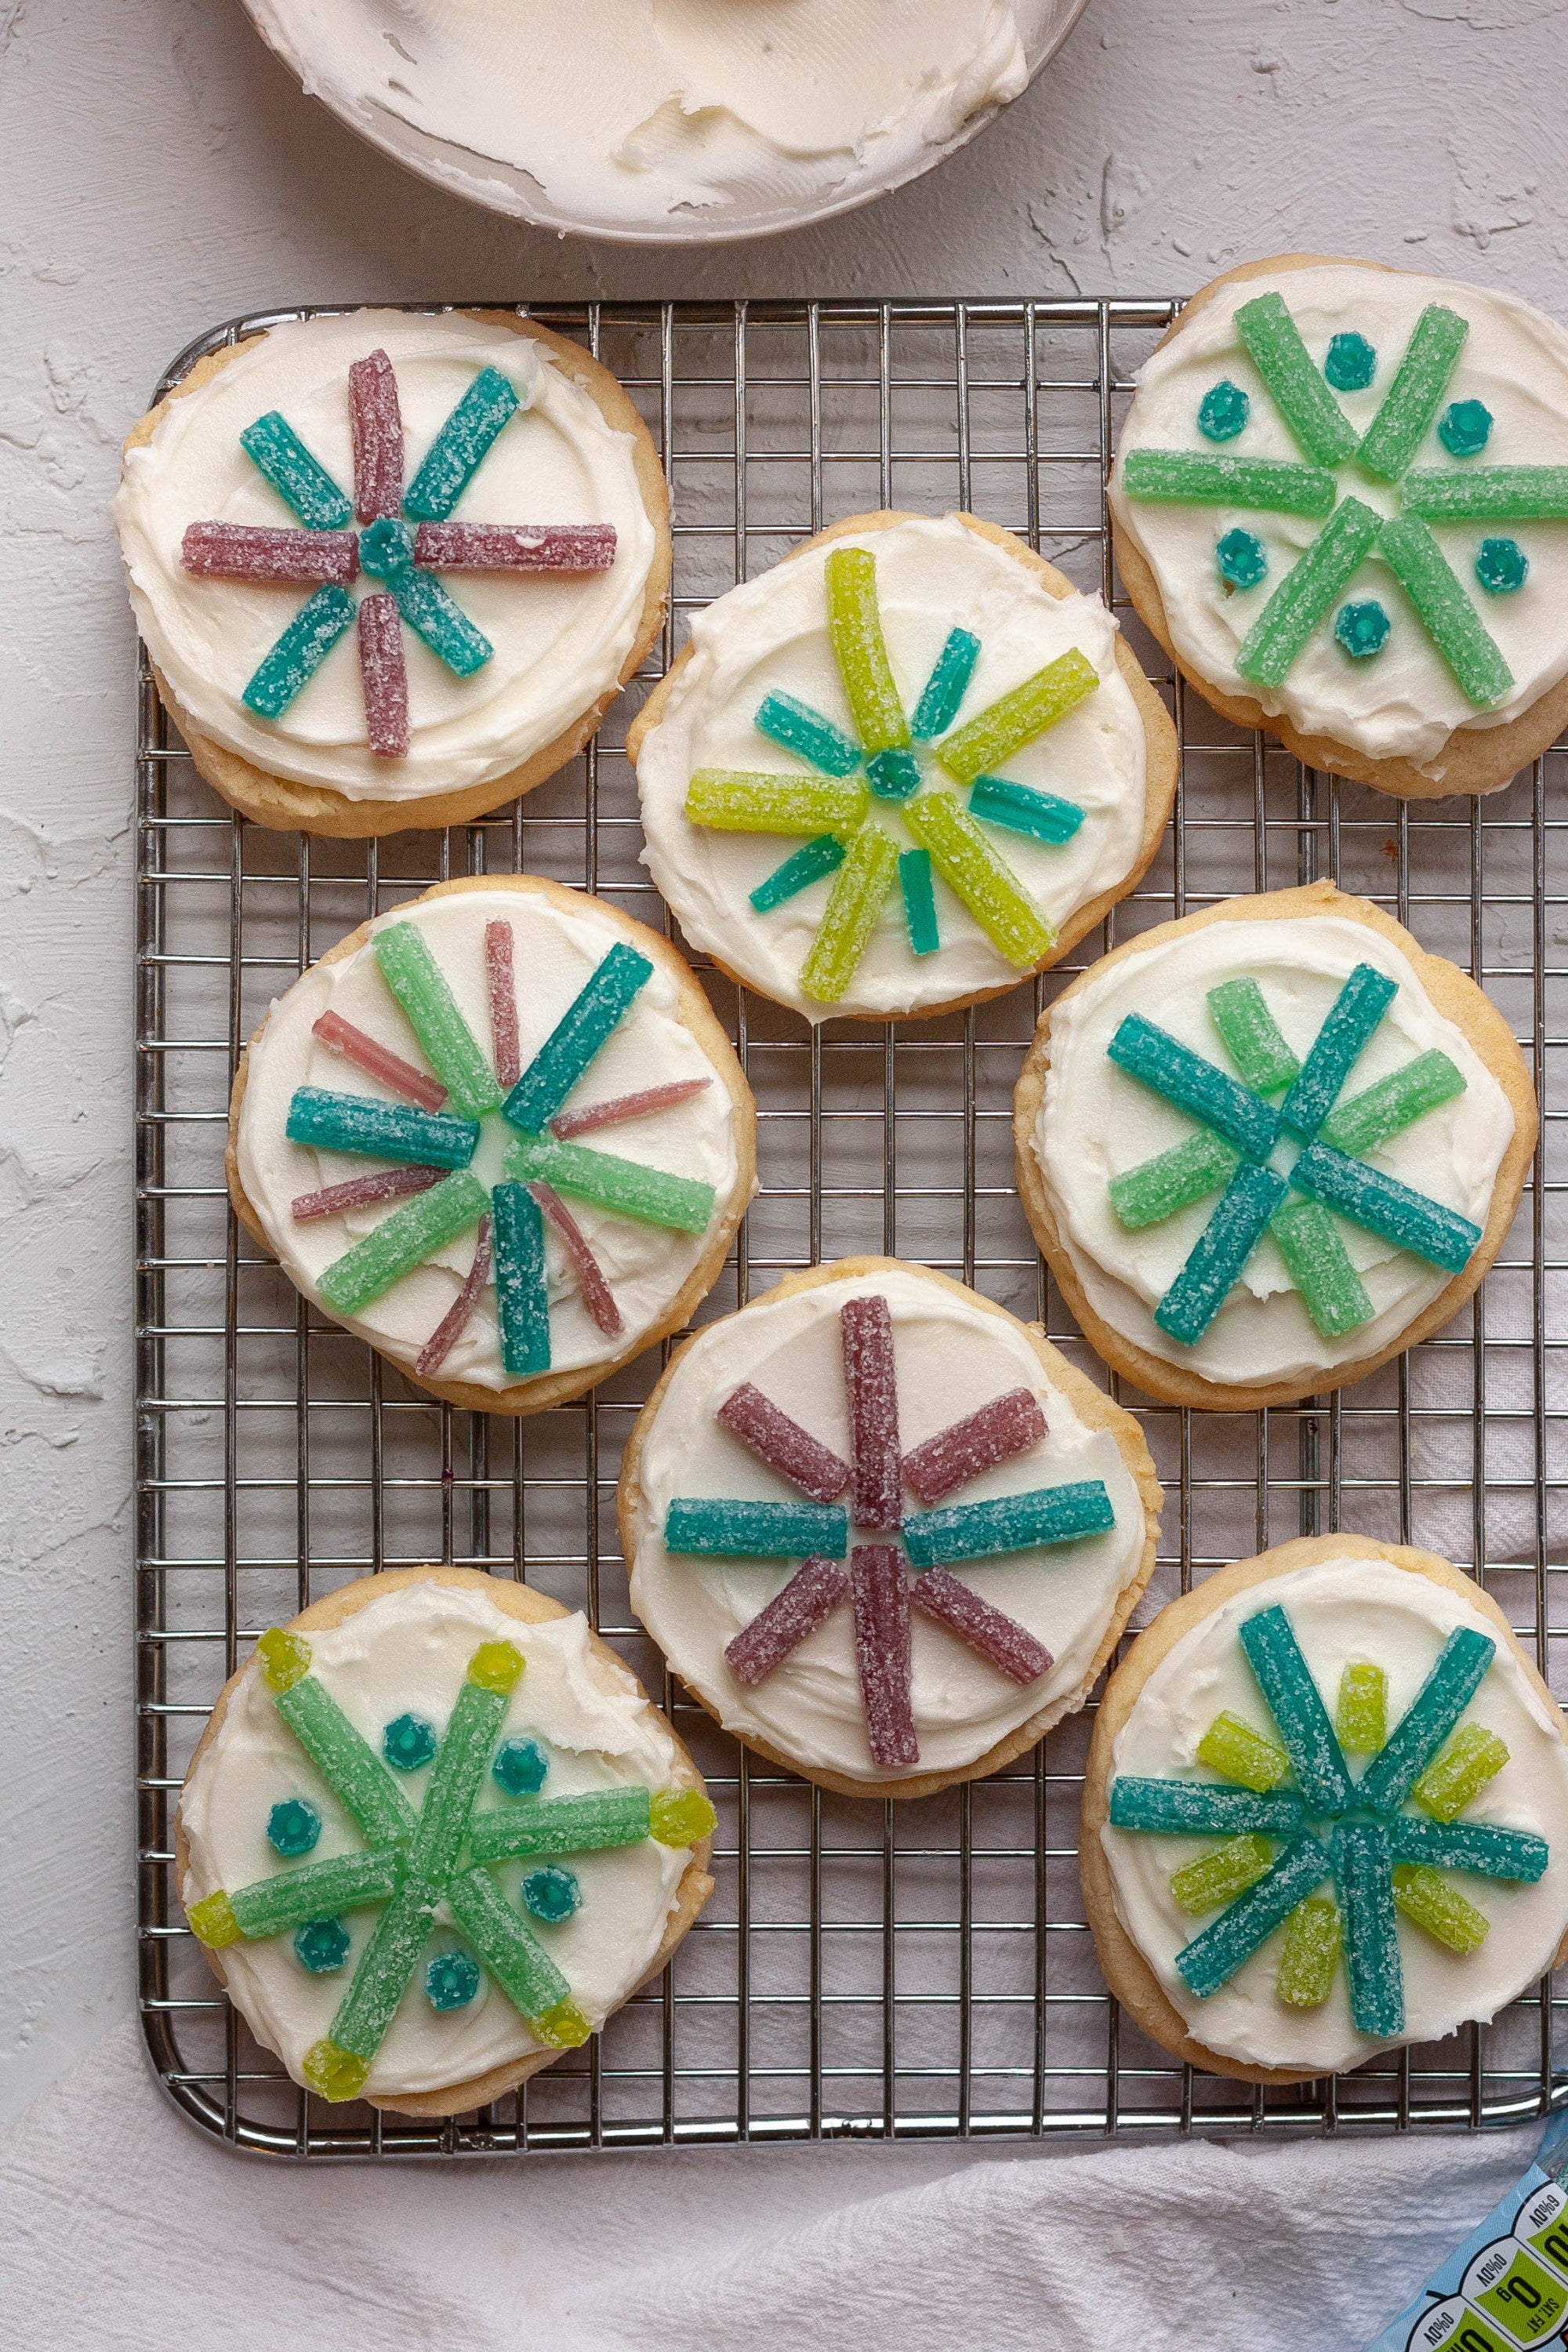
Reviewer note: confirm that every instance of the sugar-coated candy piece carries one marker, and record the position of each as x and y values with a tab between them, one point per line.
1218	1254
1003	727
375	429
1384	1207
335	2074
797	728
1160	1062
386	548
1005	1427
1488	493
1019	808
1362	628
381	1131
446	629
855	626
284	1658
1392	1104
1180	1808
1157	1188
402	1242
990	1633
451	1981
893	775
651	1196
1236	1751
363	1191
515	546
1255	485
467	1746
408	1743
1251	1036
871	1388
1350	363
854	903
293	1827
496	1667
384	675
1451	620
1454	1679
748	1530
520	1766
239	551
1414	398
1222	1873
1012	1523
920	901
454	1052
1360	1714
1211	1958
946	686
986	883
212	1923
1311	1953
523	1294
1273	342
1309	591
378	1061
734	799
1425	1896
1223	410
1241	558
1363	1867
298	653
807	864
321	1946
622	1107
1501	566
562	2027
679	1817
550	1892
1294	1701
1349	1023
593	1822
384	1966
300	480
1319	1265
765	1430
595	1012
344	1882
806	1601
598	1297
1480	1846
464	440
1473	1757
455	1321
347	1762
880	1594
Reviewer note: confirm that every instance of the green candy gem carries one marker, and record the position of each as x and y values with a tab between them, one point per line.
1501	566
451	1981
408	1743
520	1767
293	1827
321	1946
551	1894
1223	410
1350	363
1465	428
386	548
1241	560
1362	629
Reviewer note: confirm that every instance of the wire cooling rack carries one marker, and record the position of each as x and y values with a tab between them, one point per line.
863	1969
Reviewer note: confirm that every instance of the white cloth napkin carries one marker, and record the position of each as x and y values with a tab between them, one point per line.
122	2227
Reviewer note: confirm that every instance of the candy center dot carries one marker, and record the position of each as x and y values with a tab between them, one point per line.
321	1946
1350	363
1241	559
408	1743
1465	428
1362	629
551	1894
1500	566
1222	412
385	548
293	1827
520	1767
451	1981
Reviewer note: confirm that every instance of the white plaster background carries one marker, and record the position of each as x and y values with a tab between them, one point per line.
159	172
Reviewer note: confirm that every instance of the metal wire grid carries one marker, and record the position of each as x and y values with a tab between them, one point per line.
920	1970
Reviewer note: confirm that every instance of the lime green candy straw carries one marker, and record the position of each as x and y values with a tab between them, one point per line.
1473	1757
1361	1716
1306	594
855	626
972	871
1004	727
402	1242
454	1052
1311	1953
1451	620
1424	1896
730	800
1234	1750
859	886
1222	1873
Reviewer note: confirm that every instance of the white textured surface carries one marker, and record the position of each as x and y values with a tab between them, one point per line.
160	172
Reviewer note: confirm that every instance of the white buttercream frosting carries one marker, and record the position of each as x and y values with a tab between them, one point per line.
953	1358
1367	1611
771	636
559	638
405	1653
556	952
1404	702
1094	1122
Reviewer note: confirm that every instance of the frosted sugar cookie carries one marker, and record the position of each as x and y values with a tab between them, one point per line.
391	570
883	1530
1267	1146
433	1835
1340	500
962	760
1325	1813
498	1133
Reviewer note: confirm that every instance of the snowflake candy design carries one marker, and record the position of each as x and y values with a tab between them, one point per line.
1248	1130
421	1865
890	765
405	536
877	1584
486	1107
1293	1817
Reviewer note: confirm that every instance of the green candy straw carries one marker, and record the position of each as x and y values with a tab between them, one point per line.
1369	1119
1273	344
402	1242
1451	620
1315	1257
454	1052
855	626
732	800
1488	493
1311	1954
974	873
1157	1188
1413	399
626	1187
1252	484
1251	1036
859	887
590	1824
1006	726
513	1955
1306	594
1360	1716
1424	1896
273	1906
1473	1757
346	1761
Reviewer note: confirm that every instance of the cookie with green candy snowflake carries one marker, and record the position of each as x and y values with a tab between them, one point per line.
421	1883
1340	500
900	770
1325	1813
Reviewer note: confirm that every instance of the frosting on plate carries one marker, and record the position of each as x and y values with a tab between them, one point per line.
951	1358
559	638
1344	1611
405	1654
1096	1121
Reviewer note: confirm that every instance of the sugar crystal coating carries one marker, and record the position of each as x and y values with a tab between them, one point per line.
290	664
893	775
854	903
451	1981
1363	1867
1493	493
1360	1716
346	1760
989	739
733	799
880	1593
998	1432
1414	397
990	1633
1480	1846
785	719
593	1822
1238	1751
402	1242
1450	619
408	1743
337	2074
321	1946
1451	1684
431	614
1273	344
1294	1701
985	883
595	1012
1257	485
521	1766
301	479
455	1320
768	1432
454	1052
384	675
651	1196
1319	1265
362	1123
509	1947
293	1827
375	428
1218	1254
1384	1207
1011	1523
1392	1104
1307	593
515	546
1160	1062
1222	1873
463	441
1424	1896
1212	1957
522	1295
1473	1757
363	1191
1175	1808
1019	808
231	551
343	1882
1313	1936
1157	1188
1223	410
855	626
754	1530
501	988
806	1601
1251	1036
213	1922
285	1657
871	1387
550	1892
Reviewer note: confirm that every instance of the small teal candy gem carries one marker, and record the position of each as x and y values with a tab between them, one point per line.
551	1893
1362	629
520	1767
1465	428
1501	566
293	1827
408	1743
321	1946
1241	560
1350	363
451	1981
1223	410
387	547
893	775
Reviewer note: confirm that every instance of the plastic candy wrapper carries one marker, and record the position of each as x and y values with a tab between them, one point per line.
806	1601
880	1591
1273	344
765	1430
1255	485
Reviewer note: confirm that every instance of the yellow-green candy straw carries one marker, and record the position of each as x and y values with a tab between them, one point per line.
1473	1757
1236	1752
855	626
734	800
995	733
1307	1965
859	886
1360	1716
1222	1873
972	871
1424	1896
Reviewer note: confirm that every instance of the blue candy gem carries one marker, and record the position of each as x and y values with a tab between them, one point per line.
408	1743
1362	629
451	1981
1241	560
385	548
520	1767
1500	566
1350	364
1222	412
321	1946
1465	428
550	1892
293	1827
